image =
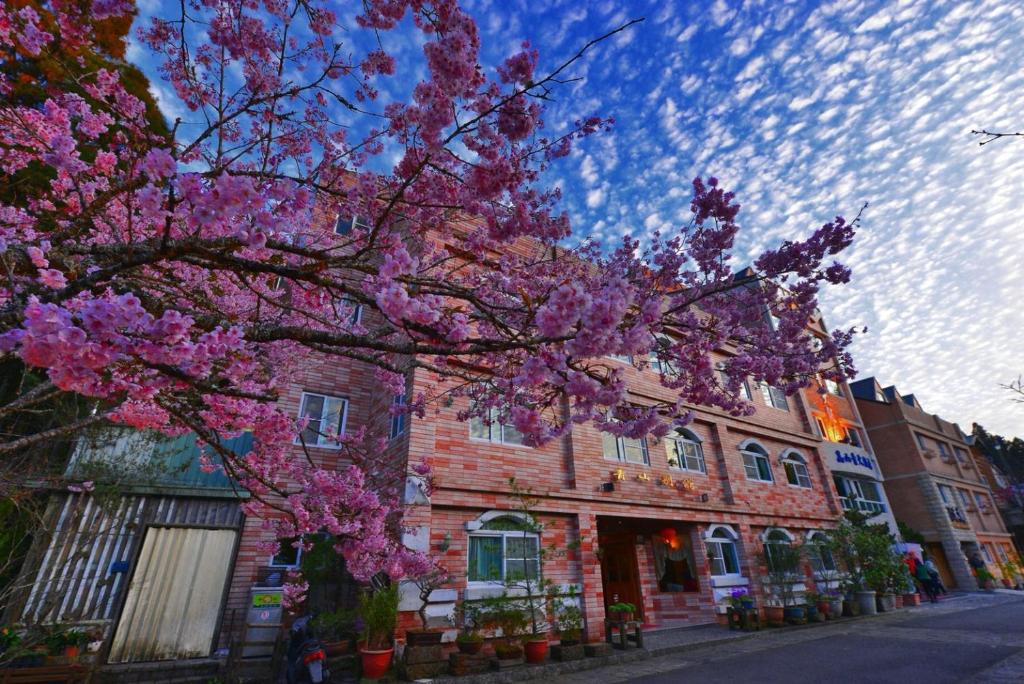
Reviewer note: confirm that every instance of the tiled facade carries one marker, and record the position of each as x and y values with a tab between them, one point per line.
933	482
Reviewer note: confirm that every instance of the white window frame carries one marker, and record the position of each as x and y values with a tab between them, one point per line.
767	542
724	378
398	419
834	387
982	501
622	445
492	425
675	446
796	461
504	535
816	542
713	542
297	563
755	451
773	396
322	441
353	222
960	454
853	436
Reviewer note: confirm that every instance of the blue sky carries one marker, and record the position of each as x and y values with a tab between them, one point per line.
808	110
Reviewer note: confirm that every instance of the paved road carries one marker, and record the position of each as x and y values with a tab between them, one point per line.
976	638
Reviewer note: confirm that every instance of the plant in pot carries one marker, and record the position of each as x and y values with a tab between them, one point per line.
426	584
336	630
570	628
506	614
986	580
740	598
782	561
469	640
61	641
817	607
621	611
378	609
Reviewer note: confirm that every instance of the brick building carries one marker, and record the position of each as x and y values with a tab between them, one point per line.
933	482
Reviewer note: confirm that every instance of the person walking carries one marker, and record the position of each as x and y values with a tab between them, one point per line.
940	588
924	576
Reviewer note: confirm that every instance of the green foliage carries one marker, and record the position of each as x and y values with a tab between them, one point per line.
783	571
57	638
9	639
622	607
909	534
867	555
472	637
505	613
379	612
334	626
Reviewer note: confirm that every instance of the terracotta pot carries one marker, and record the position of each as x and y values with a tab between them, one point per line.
824	607
375	663
899	600
470	647
912	599
774	614
71	651
1007	583
537	651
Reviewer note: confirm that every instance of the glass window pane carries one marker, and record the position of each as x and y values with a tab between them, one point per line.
764	470
672	452
750	465
334	414
732	563
312	406
635	450
516	570
509	435
485	559
609	446
478	429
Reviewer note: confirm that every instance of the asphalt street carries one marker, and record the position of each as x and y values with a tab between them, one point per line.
976	638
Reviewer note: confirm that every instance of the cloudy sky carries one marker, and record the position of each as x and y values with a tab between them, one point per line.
808	110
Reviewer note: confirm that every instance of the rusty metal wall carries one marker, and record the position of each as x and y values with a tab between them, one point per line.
73	580
175	595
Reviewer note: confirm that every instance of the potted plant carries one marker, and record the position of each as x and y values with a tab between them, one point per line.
426	583
986	580
470	642
740	598
469	639
9	641
835	603
783	565
336	630
378	609
506	614
570	628
621	612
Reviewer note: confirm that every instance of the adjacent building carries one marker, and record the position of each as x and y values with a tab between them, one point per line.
933	482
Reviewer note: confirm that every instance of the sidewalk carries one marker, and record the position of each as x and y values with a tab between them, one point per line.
665	650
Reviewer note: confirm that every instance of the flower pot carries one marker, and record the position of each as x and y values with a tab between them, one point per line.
794	614
1007	583
898	598
423	637
71	651
537	651
470	647
747	603
824	607
375	664
912	599
774	615
886	603
866	602
835	607
850	608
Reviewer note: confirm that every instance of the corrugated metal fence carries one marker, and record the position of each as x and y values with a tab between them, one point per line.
82	573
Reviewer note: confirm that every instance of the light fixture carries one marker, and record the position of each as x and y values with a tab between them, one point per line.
704	497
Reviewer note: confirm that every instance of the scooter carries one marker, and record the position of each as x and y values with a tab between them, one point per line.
307	660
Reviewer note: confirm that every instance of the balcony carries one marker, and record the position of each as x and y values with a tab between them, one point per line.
863	505
957	517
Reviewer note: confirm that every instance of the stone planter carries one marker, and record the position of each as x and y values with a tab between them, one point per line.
866	602
886	603
851	608
564	653
835	608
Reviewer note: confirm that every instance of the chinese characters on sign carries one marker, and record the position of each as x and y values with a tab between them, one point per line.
855	459
684	485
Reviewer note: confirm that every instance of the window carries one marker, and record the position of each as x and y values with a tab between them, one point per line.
288	554
662	345
796	471
819	554
724	376
625	449
946	492
961	454
344	224
965	498
685	452
505	548
986	554
982	502
673	562
944	452
624	358
756	463
851	436
922	441
398	418
833	387
351	310
860	495
326	419
493	431
721	546
776	542
774	396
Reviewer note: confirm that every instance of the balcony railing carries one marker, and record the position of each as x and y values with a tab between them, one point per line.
863	505
956	514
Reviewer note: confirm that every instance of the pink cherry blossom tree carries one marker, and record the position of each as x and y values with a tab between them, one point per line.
174	280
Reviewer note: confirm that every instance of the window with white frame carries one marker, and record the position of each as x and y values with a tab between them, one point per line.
721	548
833	387
492	430
796	470
662	346
922	441
756	463
961	454
851	436
625	449
775	543
982	501
986	553
349	310
624	358
819	554
859	495
965	499
774	396
724	376
344	224
685	451
504	549
288	555
326	419
399	416
946	492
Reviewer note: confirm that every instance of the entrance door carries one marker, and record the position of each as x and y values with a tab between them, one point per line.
619	575
938	554
175	595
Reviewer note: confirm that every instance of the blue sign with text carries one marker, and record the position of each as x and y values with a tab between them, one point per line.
856	459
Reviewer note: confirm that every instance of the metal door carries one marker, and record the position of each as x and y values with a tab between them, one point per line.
175	595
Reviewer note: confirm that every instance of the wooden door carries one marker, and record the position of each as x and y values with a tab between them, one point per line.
619	575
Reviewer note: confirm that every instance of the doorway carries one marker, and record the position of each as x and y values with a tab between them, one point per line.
619	575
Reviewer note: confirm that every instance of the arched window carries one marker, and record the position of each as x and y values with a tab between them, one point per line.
819	554
685	452
796	470
779	553
756	463
503	548
721	547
